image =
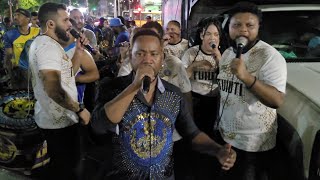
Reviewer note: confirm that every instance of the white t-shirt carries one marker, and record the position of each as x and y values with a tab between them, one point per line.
202	80
178	49
125	68
46	53
174	72
246	123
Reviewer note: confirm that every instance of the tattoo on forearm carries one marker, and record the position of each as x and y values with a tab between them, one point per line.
60	96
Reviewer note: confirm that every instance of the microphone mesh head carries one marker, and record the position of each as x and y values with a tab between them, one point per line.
212	45
241	41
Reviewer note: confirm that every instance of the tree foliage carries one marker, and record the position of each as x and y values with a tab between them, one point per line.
28	4
33	5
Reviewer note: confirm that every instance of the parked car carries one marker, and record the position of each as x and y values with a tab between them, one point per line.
289	28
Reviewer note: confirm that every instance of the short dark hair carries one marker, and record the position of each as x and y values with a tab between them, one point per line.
34	13
49	11
145	32
243	7
25	12
175	23
154	24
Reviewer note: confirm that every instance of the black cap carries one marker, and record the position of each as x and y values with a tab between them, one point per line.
24	12
102	19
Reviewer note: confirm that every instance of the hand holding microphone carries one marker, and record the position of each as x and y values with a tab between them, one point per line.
216	52
237	65
144	77
146	84
76	35
241	43
213	44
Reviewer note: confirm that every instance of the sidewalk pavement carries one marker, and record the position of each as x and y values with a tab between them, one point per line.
11	175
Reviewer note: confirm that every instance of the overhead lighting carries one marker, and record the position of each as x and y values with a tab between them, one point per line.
83	9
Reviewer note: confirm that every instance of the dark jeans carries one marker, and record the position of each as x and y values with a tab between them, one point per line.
19	79
251	165
205	110
64	152
182	160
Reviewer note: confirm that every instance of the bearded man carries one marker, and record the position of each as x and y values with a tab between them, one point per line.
57	111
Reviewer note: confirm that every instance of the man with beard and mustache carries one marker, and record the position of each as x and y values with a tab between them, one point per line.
252	87
176	44
57	111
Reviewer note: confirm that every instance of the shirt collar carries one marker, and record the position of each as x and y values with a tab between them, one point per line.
160	85
72	45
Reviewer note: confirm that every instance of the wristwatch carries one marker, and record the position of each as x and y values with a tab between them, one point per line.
81	108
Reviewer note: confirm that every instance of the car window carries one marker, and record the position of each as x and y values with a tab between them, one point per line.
290	32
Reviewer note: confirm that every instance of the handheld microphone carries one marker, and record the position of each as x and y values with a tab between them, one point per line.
241	43
76	35
146	84
213	45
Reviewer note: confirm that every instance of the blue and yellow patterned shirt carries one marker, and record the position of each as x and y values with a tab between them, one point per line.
142	148
15	40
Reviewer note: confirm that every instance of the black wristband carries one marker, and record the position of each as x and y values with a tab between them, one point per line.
255	79
81	106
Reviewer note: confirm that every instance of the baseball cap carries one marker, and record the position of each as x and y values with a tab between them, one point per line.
24	12
148	17
115	22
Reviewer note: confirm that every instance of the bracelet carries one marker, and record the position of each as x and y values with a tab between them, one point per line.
81	108
255	79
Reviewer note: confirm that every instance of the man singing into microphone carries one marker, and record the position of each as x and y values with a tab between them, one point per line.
176	44
252	87
141	125
78	17
57	111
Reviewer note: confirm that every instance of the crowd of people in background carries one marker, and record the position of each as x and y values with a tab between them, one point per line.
206	114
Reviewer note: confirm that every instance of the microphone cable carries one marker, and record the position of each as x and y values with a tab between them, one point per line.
216	126
240	47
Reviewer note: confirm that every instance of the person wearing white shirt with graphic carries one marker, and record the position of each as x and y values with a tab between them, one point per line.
201	63
252	87
57	111
176	44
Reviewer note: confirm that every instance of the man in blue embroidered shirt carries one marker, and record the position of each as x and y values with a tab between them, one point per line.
141	125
